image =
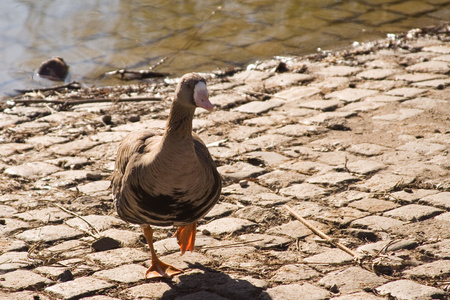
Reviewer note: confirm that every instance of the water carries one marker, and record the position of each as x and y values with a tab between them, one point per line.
97	36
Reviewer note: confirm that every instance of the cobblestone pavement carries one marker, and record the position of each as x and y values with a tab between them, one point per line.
354	141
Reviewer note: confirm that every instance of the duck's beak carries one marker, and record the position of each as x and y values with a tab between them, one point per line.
201	97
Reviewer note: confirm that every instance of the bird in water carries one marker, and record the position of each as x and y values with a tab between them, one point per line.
168	178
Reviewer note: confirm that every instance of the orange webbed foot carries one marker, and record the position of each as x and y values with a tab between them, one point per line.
158	269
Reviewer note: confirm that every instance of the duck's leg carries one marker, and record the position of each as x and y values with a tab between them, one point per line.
186	237
158	269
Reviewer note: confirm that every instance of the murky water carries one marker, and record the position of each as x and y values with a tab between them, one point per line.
97	36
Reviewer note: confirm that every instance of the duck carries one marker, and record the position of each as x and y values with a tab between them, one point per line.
168	178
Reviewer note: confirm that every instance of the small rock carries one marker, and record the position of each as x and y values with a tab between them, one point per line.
65	276
105	243
107	119
134	118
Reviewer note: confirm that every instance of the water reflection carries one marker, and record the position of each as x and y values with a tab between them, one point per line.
96	36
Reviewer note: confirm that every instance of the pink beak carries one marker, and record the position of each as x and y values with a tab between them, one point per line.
202	100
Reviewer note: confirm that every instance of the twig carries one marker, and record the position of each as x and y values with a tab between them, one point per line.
323	235
80	217
232	244
71	85
84	101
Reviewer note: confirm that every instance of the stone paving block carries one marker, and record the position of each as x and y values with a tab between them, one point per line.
226	225
306	167
7	211
340	71
418	77
443	217
413	212
376	223
373	205
304	291
352	280
259	107
268	158
23	295
9	149
331	256
439	250
430	67
227	100
377	74
93	187
341	216
407	289
365	106
126	273
286	80
115	257
365	167
49	214
8	245
264	199
98	221
23	279
221	209
126	237
304	191
49	233
79	287
295	229
248	189
329	119
401	115
385	98
323	105
366	149
436	83
423	148
265	142
240	170
293	273
70	176
264	241
297	93
382	182
281	178
411	195
100	297
333	179
438	49
14	260
359	296
407	92
438	200
169	245
32	170
74	147
299	130
351	95
434	270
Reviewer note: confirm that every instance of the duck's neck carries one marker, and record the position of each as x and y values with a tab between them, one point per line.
179	123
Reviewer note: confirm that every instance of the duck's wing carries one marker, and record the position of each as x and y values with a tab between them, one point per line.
130	150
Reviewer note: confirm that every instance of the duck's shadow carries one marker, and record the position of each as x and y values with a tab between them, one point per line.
201	283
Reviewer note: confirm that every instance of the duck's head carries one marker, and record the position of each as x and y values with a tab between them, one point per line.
192	92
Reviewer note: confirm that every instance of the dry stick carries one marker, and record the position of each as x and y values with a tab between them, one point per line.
84	101
78	216
322	234
71	85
